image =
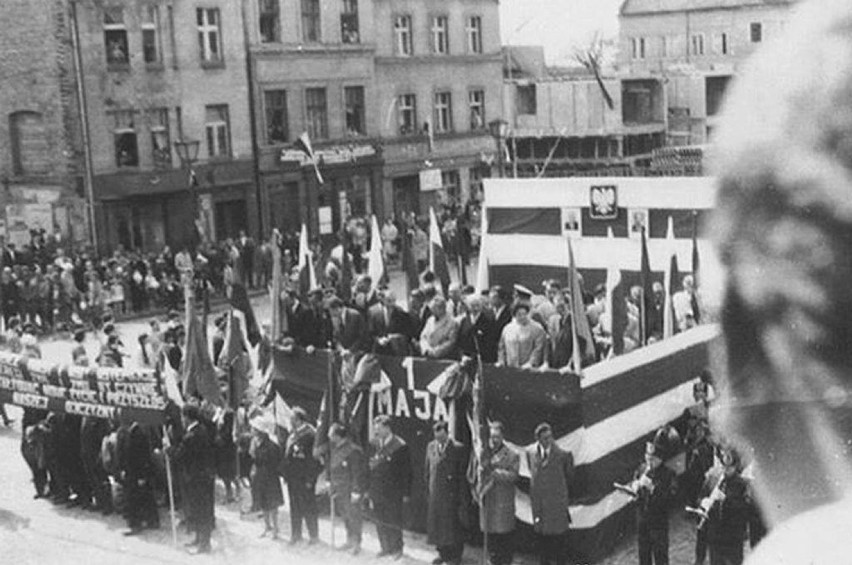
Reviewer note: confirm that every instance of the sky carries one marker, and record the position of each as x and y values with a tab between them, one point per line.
559	25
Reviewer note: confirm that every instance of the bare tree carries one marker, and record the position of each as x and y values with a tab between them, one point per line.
592	57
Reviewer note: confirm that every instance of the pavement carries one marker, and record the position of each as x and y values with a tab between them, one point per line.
35	532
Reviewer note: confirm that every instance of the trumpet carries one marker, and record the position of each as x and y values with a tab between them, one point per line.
706	505
635	488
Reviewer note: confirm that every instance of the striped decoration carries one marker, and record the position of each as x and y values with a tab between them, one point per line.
528	219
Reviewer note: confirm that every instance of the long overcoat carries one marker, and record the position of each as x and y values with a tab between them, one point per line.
497	492
549	481
446	483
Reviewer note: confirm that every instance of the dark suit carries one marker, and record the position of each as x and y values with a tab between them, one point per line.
308	326
390	482
500	322
652	515
137	468
550	476
351	334
300	472
481	330
395	325
195	457
446	483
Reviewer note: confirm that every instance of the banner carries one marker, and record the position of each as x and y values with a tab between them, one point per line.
100	392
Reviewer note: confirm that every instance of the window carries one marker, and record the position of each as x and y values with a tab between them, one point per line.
115	37
475	176
637	47
715	88
349	22
30	149
209	35
443	112
124	134
354	100
525	100
698	44
476	102
270	32
218	131
440	35
450	183
311	21
402	32
407	114
151	50
755	32
474	34
275	104
720	44
316	111
158	124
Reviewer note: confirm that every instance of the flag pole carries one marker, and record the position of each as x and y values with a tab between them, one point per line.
170	484
330	409
485	449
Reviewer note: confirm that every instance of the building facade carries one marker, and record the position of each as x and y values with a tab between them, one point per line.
696	46
156	72
567	124
40	146
438	80
313	72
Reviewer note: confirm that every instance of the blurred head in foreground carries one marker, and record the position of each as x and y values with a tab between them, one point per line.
783	229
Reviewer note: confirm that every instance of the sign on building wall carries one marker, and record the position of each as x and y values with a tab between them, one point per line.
21	218
430	179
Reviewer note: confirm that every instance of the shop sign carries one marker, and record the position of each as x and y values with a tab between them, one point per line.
333	155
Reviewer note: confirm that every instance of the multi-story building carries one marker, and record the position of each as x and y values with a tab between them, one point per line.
696	46
313	72
40	148
156	72
561	123
438	81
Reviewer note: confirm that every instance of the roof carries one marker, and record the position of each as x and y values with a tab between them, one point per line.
524	61
636	7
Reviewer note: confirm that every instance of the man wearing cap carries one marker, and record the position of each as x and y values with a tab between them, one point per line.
446	484
348	479
551	473
653	484
725	499
522	341
300	472
194	455
390	485
438	338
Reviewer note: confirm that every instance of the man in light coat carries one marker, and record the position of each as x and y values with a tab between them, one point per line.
495	489
438	338
551	470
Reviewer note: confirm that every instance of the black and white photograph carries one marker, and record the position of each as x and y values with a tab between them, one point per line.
447	282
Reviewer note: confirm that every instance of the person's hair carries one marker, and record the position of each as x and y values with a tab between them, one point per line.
191	411
300	413
335	302
440	426
542	428
338	430
498	426
518	306
382	420
502	293
429	292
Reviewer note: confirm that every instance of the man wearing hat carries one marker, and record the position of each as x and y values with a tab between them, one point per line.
653	485
727	506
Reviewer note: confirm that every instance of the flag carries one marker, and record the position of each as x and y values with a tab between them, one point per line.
579	321
695	258
199	374
170	380
615	316
235	360
240	304
409	264
307	273
279	316
304	143
670	283
482	266
375	261
437	257
647	291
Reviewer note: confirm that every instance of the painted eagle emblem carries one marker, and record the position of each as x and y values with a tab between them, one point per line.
604	202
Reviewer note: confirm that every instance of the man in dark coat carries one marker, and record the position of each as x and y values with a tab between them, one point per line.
551	471
195	457
653	487
389	327
476	330
446	483
308	322
137	472
92	433
346	328
726	502
501	307
347	483
390	485
300	472
246	247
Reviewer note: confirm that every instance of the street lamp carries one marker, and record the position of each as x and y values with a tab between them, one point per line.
499	129
187	152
